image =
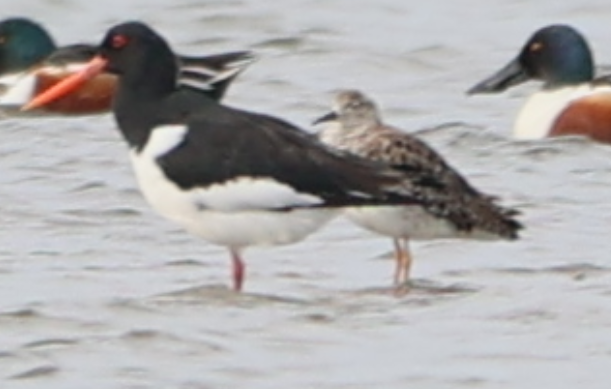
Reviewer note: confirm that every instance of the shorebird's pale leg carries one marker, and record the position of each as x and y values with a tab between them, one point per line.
403	260
238	270
398	255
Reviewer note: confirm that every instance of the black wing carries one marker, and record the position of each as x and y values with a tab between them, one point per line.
228	143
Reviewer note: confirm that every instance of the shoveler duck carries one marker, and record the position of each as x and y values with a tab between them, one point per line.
571	101
459	211
30	62
232	177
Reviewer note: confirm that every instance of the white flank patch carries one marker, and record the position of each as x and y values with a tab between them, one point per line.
541	110
246	193
18	89
233	214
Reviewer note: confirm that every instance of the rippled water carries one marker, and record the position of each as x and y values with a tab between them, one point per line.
99	292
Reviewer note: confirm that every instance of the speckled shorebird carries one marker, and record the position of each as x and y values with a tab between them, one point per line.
454	208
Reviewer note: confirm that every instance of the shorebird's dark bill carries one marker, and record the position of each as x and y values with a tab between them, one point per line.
68	84
331	116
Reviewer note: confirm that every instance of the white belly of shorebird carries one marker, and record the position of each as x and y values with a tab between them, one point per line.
402	222
411	222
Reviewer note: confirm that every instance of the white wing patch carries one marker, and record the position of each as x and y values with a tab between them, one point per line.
164	139
247	193
208	77
211	77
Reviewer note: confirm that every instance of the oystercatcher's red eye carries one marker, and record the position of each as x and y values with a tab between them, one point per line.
119	41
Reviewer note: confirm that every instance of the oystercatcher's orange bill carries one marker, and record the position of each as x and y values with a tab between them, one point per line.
67	85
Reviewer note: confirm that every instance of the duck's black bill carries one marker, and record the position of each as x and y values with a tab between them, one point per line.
512	74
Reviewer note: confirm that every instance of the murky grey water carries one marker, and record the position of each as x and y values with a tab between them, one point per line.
99	292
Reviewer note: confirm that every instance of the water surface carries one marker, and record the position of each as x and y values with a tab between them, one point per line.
99	292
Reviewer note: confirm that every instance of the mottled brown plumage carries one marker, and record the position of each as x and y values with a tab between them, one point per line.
450	207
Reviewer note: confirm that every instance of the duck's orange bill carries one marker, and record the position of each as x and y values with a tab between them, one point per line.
68	84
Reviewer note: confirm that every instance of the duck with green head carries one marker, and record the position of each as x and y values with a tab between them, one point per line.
571	101
31	62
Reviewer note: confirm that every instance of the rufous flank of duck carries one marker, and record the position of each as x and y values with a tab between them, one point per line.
31	62
570	101
233	177
454	209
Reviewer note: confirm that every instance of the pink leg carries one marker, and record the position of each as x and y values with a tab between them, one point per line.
238	270
406	263
402	267
398	261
